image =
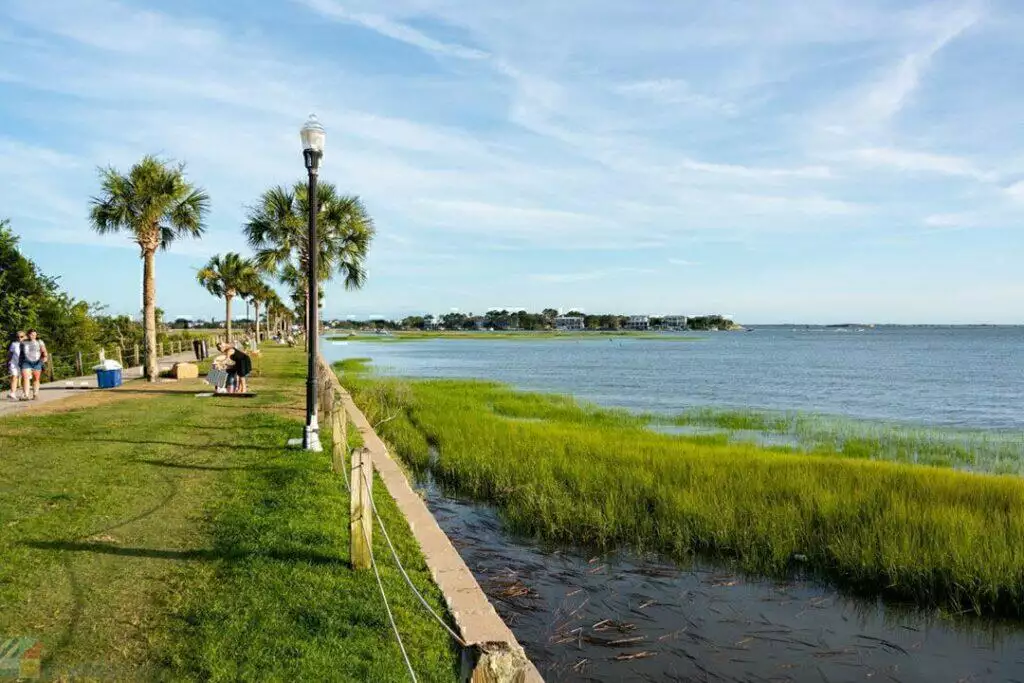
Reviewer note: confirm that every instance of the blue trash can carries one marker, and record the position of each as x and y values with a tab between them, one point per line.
108	379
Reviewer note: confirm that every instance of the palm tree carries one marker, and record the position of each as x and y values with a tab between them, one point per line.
277	229
226	277
258	293
155	205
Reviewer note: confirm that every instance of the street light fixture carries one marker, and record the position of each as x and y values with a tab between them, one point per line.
313	137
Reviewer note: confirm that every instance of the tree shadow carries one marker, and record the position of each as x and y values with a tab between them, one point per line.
180	444
193	554
207	468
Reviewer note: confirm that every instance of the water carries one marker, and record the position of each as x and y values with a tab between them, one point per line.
625	618
950	377
622	618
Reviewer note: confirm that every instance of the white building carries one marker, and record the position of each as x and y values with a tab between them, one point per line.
674	322
638	322
569	322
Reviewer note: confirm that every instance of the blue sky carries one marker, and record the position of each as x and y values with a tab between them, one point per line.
778	160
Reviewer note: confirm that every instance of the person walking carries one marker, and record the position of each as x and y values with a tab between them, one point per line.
33	358
14	363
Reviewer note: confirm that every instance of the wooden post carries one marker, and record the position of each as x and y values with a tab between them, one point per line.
136	359
339	437
361	518
79	366
120	356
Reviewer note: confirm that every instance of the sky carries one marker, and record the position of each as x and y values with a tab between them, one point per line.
776	161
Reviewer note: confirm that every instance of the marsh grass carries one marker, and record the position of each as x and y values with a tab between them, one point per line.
981	451
576	474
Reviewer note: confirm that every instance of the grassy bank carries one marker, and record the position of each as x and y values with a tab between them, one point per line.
574	474
151	535
405	336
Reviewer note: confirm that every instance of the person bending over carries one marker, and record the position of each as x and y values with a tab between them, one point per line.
239	367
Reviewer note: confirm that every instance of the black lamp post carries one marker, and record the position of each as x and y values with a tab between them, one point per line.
312	150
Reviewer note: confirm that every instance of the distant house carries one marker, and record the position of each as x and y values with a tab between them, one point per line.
569	322
674	322
638	322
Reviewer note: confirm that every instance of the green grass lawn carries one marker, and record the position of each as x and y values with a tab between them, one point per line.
147	534
578	475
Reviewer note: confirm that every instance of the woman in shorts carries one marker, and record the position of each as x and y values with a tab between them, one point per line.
14	363
33	358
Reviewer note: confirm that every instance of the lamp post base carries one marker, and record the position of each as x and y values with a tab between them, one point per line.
311	437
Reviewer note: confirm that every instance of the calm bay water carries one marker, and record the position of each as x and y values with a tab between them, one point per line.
965	377
626	618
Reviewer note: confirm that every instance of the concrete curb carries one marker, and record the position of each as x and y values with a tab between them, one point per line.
494	655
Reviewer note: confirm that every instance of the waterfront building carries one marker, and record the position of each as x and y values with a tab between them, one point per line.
674	322
638	322
569	322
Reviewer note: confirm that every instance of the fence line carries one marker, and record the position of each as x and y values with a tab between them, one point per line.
79	364
380	585
490	652
333	407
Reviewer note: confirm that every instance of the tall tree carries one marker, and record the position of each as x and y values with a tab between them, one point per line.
23	289
277	229
226	277
260	295
155	205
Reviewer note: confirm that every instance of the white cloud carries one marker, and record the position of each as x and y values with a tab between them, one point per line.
674	91
394	30
1016	191
890	93
615	274
906	160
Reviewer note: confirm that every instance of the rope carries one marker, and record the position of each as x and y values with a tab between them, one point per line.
405	575
387	607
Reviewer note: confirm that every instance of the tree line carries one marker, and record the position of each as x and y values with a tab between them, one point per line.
523	320
31	299
155	205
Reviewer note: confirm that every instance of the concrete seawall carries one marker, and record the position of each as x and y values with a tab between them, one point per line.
492	653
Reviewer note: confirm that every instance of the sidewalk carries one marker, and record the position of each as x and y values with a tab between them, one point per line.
73	386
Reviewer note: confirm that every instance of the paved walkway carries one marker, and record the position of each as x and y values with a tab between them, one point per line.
64	388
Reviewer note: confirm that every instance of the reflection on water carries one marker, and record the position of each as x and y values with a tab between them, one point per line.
623	618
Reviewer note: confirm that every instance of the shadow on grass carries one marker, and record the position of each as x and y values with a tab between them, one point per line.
209	468
180	444
190	392
201	554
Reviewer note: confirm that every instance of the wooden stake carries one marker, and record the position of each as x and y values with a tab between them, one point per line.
338	441
361	521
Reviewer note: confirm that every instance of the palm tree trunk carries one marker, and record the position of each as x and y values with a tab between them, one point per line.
227	315
152	367
256	306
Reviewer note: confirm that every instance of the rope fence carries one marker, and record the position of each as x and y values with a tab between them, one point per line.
489	651
361	480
